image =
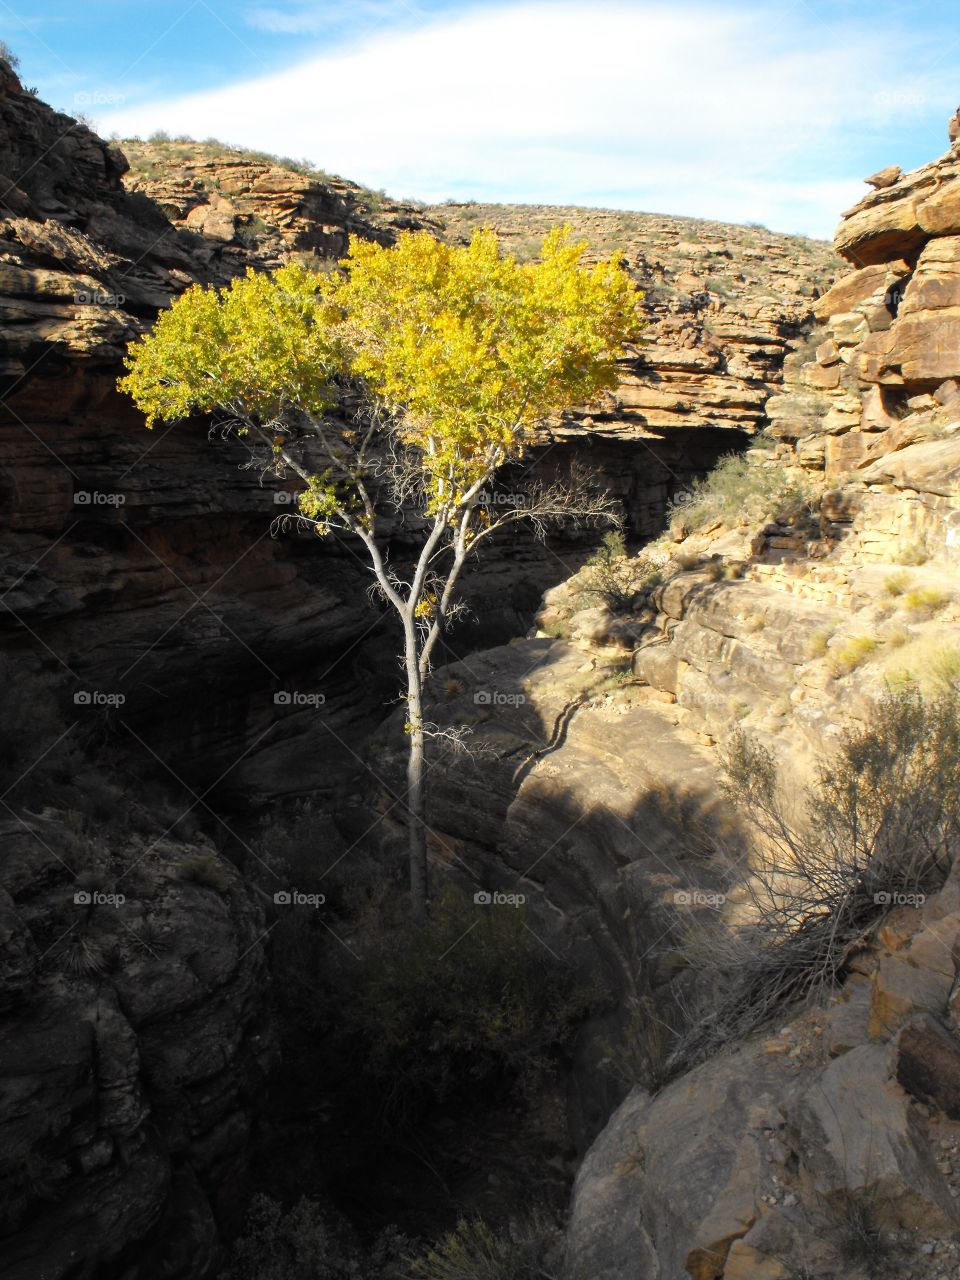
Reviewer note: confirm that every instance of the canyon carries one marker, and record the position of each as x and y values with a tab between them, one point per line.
141	572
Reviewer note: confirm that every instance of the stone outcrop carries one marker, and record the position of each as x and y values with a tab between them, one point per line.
135	1041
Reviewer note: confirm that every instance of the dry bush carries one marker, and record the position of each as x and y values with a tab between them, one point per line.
881	823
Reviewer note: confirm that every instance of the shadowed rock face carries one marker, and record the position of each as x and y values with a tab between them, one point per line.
134	1044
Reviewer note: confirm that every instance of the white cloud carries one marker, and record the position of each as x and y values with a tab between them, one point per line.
704	109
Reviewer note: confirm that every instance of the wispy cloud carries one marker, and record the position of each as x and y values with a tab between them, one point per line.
712	109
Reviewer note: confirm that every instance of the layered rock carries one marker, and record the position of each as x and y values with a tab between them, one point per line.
725	304
263	209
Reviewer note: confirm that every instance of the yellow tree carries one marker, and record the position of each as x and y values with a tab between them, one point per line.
458	353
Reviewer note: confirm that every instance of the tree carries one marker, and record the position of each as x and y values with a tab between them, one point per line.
451	355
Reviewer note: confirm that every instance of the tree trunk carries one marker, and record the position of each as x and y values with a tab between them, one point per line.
416	807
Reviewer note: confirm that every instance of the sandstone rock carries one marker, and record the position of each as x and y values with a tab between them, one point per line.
881	231
859	1136
858	287
902	988
885	177
690	1190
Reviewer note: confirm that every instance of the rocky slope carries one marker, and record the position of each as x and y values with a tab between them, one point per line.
784	607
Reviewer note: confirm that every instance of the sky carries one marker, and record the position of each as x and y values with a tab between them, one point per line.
769	111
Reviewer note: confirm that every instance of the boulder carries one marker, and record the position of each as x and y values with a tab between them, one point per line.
859	1136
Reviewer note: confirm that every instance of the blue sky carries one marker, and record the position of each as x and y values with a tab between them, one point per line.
742	111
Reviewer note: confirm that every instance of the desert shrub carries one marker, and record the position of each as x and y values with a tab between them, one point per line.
252	231
912	553
205	869
8	56
853	653
927	601
932	667
470	999
305	1243
819	642
524	1249
740	488
881	823
714	570
944	671
614	578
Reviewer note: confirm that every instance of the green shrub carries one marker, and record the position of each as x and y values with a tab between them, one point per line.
819	642
912	553
252	231
305	1243
855	651
927	601
471	998
522	1250
740	488
896	584
944	670
614	578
